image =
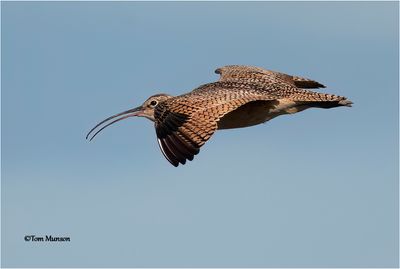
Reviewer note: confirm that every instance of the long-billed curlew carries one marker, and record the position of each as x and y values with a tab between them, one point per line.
243	96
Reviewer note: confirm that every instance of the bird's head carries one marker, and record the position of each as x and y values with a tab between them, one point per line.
145	110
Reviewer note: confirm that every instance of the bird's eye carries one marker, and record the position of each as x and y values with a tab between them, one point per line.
153	103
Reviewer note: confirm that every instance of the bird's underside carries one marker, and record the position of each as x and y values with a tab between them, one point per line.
243	96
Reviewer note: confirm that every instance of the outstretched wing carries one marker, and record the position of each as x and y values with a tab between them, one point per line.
260	75
177	146
180	132
184	123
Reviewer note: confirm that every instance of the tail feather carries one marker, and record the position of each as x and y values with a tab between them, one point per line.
330	104
345	102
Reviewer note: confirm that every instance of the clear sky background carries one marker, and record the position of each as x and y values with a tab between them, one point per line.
315	189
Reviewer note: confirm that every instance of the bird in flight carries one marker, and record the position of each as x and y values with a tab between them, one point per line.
243	96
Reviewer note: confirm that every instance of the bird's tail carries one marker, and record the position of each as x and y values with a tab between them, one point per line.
330	104
322	100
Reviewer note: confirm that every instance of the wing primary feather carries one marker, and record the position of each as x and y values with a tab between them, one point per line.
170	126
187	144
179	156
167	154
306	83
181	146
161	131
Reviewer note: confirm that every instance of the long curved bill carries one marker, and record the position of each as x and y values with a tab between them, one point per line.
123	115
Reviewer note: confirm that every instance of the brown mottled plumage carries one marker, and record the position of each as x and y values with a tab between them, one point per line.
243	96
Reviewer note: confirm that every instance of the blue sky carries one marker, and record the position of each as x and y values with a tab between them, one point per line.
315	189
